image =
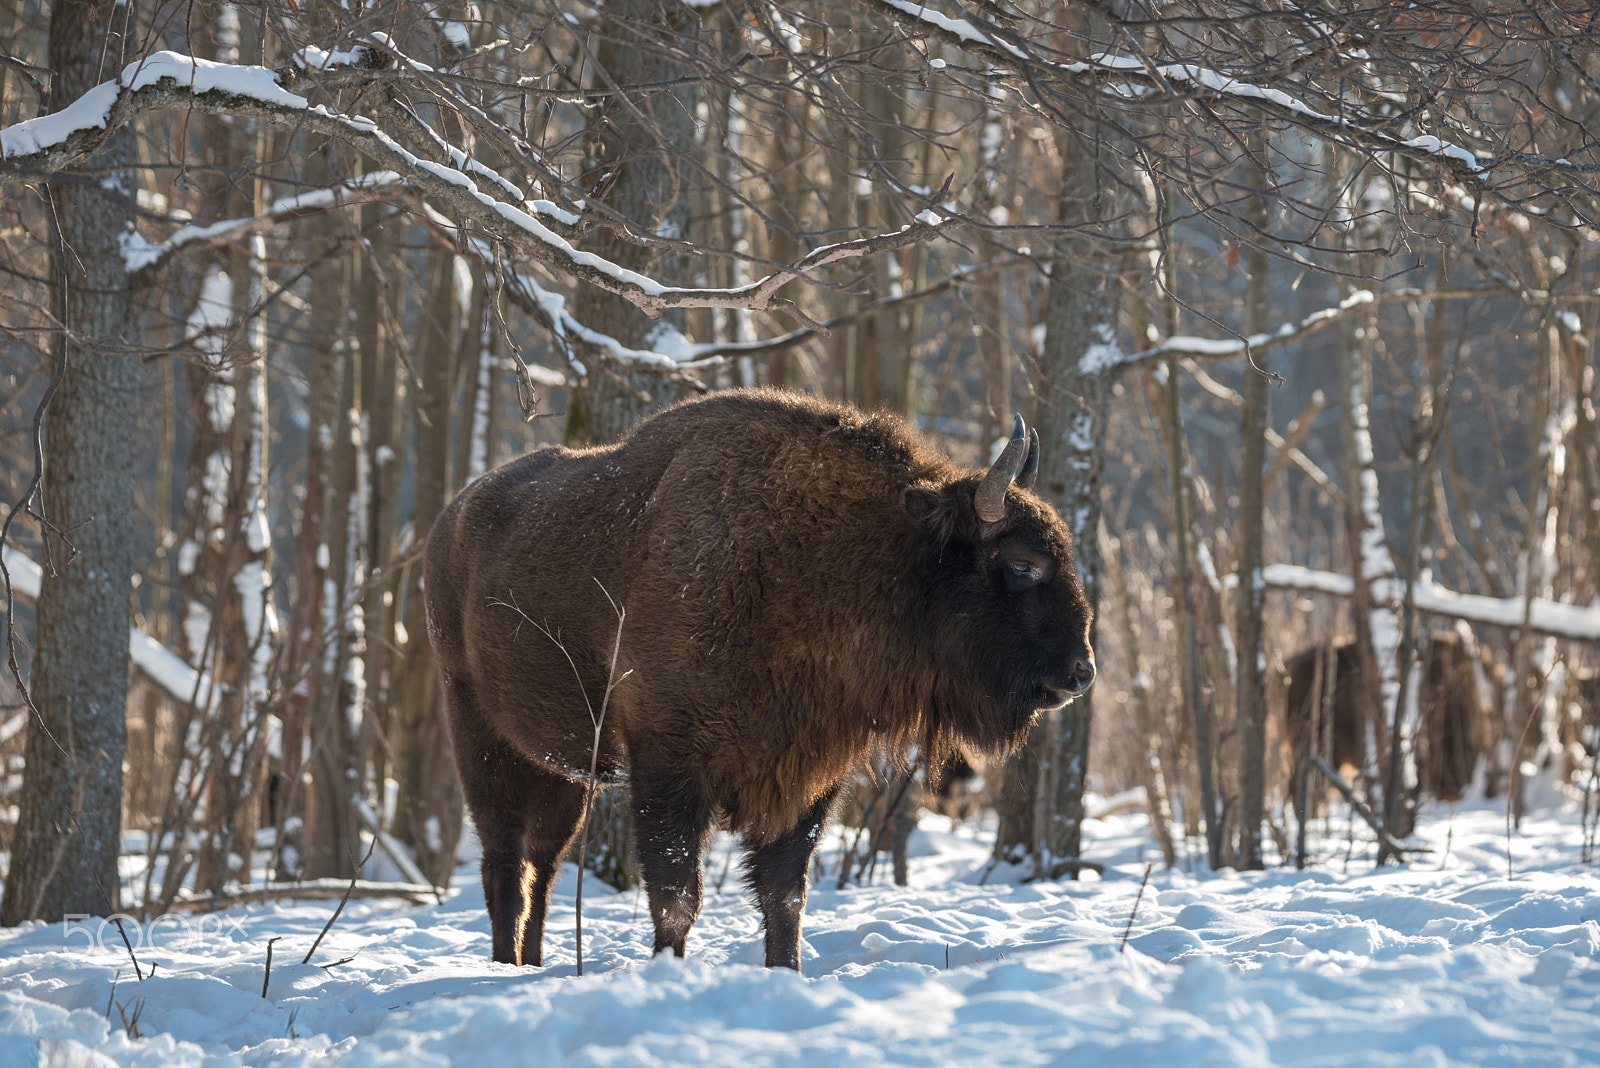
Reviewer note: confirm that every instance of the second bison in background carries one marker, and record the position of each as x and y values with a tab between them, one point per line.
1450	714
803	583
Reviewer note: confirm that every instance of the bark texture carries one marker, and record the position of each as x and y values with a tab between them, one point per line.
1073	382
68	830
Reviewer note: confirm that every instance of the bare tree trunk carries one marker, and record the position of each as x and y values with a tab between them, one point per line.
64	856
888	336
1376	635
1402	787
382	392
312	558
331	828
1074	389
1532	657
1147	760
788	154
634	143
428	811
245	650
1250	720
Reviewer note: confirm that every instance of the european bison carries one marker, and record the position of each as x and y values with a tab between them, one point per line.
1449	733
1450	738
803	583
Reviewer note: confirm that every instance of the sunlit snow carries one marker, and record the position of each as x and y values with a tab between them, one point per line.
1443	961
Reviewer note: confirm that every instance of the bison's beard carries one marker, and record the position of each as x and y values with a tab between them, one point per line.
989	725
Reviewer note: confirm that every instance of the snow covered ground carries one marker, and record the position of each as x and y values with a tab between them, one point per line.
1444	961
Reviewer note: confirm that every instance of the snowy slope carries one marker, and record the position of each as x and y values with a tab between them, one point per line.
1445	961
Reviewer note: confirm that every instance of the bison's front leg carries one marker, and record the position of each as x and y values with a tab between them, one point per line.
671	820
777	873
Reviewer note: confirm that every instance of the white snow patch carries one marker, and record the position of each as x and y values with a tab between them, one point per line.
1444	961
1434	146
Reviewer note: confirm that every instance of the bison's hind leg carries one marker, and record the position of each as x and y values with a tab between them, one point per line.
555	807
671	823
777	873
524	839
525	817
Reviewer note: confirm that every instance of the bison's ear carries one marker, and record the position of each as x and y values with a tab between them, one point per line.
932	508
922	500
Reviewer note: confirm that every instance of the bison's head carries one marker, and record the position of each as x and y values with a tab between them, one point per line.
1006	611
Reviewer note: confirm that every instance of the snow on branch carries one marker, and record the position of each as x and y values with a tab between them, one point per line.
159	664
1544	616
141	255
1125	78
1203	348
38	147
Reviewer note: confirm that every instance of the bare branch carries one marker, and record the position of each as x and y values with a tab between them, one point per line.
32	150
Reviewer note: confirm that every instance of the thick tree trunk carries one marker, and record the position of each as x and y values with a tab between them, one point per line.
428	811
1075	372
64	860
634	144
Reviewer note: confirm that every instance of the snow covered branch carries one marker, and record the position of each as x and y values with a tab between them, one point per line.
141	255
1570	621
1135	79
36	148
1202	348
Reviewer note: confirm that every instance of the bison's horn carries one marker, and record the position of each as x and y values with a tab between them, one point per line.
1030	464
990	500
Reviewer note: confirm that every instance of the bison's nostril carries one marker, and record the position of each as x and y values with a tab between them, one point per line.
1083	673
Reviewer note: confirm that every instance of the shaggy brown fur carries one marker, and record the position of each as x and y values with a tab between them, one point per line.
803	582
1449	734
1450	739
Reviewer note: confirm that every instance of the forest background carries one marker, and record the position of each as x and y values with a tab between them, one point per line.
1302	292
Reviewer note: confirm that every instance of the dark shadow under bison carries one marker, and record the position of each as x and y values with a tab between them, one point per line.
803	583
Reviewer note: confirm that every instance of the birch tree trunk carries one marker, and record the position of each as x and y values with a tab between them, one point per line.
1533	656
64	857
1376	634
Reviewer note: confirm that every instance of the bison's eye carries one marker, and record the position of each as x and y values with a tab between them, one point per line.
1020	571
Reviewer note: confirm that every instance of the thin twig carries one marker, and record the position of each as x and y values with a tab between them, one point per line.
123	932
267	978
1140	897
329	925
130	1024
594	761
